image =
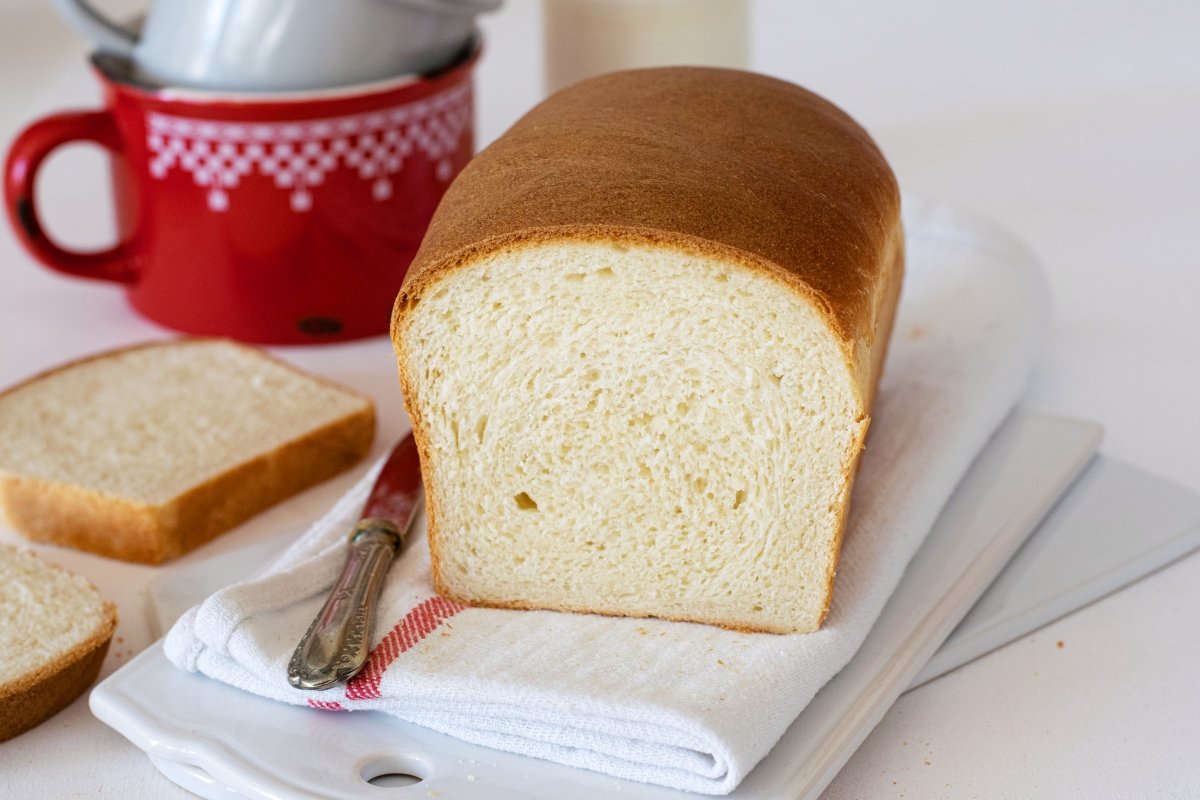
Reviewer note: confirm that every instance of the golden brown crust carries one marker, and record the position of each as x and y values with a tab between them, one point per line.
71	516
84	519
36	696
889	296
731	163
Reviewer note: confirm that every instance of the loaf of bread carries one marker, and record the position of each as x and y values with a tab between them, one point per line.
639	346
54	632
144	453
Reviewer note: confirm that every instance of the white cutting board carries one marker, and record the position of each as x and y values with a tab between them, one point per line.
219	742
1116	525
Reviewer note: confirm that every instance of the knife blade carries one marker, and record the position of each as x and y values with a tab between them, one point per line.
335	647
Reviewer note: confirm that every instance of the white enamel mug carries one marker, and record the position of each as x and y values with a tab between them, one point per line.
284	45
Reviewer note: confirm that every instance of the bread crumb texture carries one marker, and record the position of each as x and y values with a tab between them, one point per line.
635	430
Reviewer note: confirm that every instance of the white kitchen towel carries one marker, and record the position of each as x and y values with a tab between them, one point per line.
684	705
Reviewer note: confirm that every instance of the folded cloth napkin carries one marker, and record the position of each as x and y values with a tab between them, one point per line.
679	704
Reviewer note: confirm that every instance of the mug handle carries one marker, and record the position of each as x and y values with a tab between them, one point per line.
108	35
26	155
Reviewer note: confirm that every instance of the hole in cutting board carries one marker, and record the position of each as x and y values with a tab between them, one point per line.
392	779
392	771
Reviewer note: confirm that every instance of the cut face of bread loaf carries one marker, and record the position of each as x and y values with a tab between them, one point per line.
639	348
54	632
146	452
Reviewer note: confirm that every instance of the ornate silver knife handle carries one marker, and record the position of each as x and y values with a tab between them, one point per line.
335	647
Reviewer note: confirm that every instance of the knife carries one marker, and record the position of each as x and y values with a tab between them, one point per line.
337	642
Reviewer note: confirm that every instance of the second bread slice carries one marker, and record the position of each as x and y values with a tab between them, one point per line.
144	453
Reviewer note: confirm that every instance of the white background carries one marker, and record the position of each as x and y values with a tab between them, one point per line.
1074	124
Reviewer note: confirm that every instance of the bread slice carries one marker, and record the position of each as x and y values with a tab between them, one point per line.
54	632
639	347
146	452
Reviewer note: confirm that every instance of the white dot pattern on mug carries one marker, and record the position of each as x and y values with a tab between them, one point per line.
298	156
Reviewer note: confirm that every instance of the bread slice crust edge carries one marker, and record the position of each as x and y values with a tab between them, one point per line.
32	698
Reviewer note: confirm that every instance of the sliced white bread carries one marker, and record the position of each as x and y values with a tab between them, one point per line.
639	347
54	632
146	452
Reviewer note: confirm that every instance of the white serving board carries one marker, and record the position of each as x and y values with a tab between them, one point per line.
1116	525
220	742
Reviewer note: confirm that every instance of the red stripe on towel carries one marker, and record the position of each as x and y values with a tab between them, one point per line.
326	706
416	625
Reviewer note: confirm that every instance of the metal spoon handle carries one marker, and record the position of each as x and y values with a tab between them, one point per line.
337	642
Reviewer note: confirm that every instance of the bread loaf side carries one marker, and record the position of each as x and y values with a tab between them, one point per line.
639	347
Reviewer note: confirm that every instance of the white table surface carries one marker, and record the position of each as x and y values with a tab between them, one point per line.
1075	124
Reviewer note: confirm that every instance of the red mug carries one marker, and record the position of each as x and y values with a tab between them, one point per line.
277	219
